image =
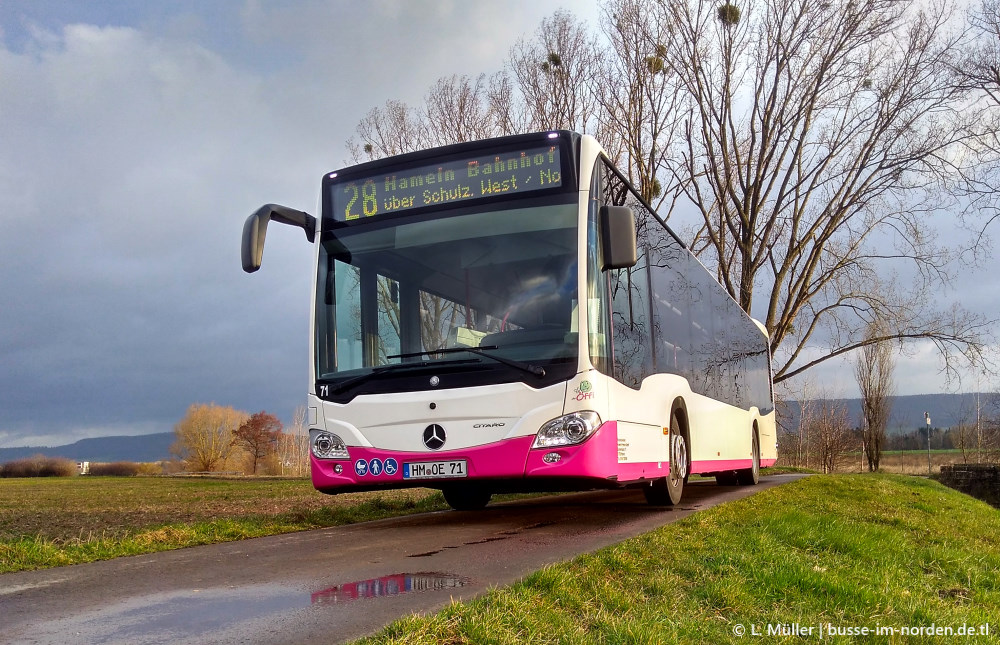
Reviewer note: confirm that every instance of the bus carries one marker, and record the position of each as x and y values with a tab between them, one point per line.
511	315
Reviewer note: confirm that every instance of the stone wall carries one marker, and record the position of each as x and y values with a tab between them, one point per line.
982	481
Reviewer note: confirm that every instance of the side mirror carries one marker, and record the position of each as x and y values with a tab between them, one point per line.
255	229
617	225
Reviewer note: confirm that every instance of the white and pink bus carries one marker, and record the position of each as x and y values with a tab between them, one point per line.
510	315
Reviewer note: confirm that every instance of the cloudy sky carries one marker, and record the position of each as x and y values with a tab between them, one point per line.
135	139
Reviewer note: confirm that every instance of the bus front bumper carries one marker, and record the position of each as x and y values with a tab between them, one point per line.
509	464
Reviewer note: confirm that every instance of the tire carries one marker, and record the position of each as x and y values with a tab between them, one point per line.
467	498
667	491
750	476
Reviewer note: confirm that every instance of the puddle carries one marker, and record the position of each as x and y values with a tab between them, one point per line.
211	615
393	585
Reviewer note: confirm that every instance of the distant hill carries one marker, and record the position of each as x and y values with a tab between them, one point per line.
946	410
139	448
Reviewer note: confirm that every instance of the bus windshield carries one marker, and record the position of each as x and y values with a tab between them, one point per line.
396	301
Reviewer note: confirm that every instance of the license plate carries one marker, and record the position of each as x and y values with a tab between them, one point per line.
435	469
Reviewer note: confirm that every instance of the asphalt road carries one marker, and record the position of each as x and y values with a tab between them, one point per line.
329	585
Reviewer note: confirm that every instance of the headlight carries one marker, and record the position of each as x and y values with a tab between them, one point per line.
567	430
329	446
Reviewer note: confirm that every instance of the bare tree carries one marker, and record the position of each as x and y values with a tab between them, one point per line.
978	72
553	73
873	369
205	435
389	130
980	69
988	439
787	455
459	108
455	109
820	138
292	450
639	118
794	436
547	84
830	434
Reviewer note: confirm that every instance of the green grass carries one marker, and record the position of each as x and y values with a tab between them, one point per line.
786	470
850	550
48	522
58	521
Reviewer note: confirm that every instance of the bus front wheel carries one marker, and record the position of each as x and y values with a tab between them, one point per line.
667	491
467	498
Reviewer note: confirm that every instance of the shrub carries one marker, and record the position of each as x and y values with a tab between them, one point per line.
150	469
39	466
116	469
58	467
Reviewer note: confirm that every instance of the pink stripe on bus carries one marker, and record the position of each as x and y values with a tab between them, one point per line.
714	465
596	458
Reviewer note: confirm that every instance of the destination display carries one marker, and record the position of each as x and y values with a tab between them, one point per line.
480	176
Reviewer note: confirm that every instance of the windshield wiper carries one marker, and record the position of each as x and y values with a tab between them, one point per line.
382	369
524	367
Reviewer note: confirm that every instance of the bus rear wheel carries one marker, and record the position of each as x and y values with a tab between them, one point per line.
667	491
750	476
467	498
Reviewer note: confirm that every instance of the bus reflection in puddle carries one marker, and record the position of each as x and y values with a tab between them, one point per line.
392	585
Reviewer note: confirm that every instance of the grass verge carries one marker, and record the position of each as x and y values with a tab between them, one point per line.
53	522
48	522
852	551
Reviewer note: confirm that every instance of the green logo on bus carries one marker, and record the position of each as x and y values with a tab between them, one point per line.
583	391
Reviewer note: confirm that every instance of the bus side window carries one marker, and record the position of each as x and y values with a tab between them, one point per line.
671	287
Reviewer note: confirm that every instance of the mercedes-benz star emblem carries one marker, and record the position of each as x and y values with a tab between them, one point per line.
434	436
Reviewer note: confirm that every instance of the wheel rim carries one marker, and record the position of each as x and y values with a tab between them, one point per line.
678	454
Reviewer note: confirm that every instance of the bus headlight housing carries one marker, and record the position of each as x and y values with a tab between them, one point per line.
326	445
567	430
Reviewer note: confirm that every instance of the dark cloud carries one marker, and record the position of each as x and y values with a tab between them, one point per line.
135	142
